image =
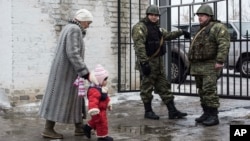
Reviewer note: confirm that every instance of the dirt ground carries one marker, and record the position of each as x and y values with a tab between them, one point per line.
127	123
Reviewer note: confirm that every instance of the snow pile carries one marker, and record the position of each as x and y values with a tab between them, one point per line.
4	101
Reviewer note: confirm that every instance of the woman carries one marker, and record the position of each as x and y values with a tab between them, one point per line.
61	102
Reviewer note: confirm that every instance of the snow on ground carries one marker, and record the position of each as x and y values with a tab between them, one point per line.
4	101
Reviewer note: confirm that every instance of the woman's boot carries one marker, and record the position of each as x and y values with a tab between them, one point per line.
49	131
79	129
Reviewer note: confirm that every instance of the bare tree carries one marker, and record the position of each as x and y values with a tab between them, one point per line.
245	14
235	10
184	16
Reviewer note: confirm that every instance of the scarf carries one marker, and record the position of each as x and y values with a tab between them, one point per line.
78	23
79	82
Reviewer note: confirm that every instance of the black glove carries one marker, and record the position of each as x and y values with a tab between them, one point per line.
186	34
146	70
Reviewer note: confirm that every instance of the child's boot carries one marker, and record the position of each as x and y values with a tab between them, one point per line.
107	138
87	130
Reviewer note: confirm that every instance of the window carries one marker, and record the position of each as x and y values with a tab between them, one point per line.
232	32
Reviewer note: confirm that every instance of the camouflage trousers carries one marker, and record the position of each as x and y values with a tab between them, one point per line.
207	90
158	83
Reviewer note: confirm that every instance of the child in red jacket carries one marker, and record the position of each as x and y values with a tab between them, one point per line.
98	103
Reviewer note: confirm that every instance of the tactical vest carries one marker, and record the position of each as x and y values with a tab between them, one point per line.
153	40
204	46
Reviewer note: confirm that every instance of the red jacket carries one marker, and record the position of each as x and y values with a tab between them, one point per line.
98	102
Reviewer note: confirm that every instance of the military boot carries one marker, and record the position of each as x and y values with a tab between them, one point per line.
149	113
49	131
212	119
79	129
204	116
173	112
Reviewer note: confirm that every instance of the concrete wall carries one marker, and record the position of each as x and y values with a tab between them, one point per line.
28	36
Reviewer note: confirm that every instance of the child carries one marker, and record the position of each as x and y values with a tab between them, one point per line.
98	103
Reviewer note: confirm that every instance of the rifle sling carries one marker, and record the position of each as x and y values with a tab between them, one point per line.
158	50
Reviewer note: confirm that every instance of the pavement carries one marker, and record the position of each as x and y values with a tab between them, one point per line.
127	123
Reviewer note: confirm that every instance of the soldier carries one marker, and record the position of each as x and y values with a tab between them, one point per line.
208	51
148	40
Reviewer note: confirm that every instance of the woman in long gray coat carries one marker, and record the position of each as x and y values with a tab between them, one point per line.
61	102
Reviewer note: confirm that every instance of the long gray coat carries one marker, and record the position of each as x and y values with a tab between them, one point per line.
61	102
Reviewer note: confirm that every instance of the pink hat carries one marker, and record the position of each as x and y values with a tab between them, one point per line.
100	73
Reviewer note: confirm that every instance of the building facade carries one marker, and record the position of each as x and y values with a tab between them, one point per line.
28	37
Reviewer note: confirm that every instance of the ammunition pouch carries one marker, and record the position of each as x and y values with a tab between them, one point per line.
200	53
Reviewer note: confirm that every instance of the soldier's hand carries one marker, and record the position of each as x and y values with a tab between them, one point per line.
218	66
146	69
186	34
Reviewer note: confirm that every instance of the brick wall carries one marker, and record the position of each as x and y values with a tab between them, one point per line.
29	34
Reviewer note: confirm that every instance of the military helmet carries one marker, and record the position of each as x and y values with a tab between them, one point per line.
205	9
153	9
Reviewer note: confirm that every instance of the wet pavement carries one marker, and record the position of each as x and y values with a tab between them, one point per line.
127	123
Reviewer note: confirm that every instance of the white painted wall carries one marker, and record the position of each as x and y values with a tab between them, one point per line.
5	44
28	35
98	40
33	45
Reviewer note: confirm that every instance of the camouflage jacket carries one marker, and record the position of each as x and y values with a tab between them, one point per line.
140	33
209	46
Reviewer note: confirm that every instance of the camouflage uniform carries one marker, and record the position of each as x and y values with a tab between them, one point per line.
147	37
209	47
157	79
206	50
